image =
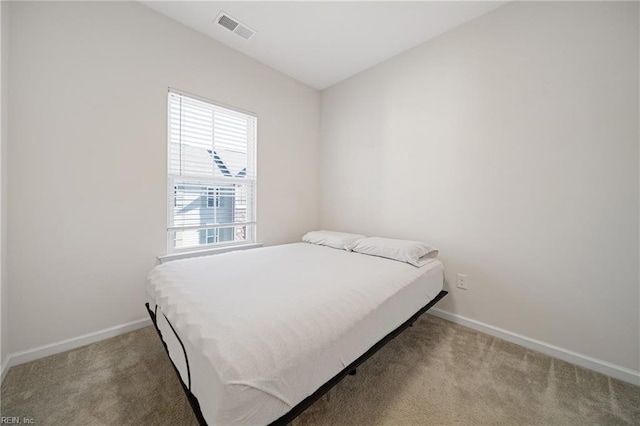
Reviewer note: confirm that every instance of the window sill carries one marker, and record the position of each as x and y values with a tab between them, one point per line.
196	253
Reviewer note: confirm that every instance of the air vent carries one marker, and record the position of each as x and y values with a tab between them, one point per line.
227	22
232	24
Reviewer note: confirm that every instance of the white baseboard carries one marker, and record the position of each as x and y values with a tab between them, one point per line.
4	368
585	361
65	345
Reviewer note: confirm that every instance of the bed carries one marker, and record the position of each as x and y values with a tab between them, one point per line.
256	336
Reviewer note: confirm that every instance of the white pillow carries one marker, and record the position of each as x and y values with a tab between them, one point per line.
413	252
339	240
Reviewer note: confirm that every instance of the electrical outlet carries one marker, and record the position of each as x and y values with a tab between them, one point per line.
463	281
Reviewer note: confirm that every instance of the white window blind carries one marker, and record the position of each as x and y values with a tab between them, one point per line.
211	174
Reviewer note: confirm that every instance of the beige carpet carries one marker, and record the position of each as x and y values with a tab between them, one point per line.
435	373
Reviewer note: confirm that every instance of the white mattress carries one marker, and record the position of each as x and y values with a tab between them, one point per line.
265	328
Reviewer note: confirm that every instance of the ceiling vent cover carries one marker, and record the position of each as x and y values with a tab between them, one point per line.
232	24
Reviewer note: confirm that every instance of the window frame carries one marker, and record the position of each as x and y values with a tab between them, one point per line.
211	183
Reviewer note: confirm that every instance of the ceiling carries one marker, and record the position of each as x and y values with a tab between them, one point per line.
322	43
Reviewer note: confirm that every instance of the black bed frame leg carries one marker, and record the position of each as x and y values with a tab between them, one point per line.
353	372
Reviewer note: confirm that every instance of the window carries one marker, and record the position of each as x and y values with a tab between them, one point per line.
211	174
213	197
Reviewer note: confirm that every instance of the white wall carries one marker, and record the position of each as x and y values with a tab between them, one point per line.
4	132
87	175
511	143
